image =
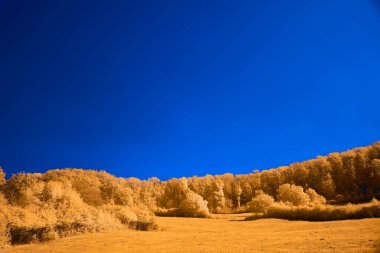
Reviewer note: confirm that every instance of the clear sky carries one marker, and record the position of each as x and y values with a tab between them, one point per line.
182	88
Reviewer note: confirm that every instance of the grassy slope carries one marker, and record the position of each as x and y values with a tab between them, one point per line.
225	233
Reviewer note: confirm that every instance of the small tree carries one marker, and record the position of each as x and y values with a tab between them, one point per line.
217	201
193	206
174	192
293	194
261	203
236	191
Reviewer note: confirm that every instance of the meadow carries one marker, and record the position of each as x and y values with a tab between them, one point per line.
328	203
224	233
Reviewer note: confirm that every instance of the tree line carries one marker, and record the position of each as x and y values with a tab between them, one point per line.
67	201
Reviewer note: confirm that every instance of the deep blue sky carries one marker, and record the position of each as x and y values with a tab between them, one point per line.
182	88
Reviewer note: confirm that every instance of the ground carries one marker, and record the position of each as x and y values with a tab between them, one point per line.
225	233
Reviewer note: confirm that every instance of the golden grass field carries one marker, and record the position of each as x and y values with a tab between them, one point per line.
225	233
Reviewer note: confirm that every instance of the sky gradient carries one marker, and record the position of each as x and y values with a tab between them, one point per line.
182	88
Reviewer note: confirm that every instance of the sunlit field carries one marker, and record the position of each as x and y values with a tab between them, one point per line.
225	233
330	203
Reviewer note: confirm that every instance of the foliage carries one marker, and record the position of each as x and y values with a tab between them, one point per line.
193	205
315	197
179	200
261	203
2	177
40	207
321	212
292	194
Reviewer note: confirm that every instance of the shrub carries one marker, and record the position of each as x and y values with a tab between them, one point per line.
175	191
145	220
23	235
321	212
4	237
114	193
314	197
193	206
292	194
124	214
46	206
261	203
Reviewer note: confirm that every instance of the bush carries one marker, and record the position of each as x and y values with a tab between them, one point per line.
175	191
4	236
314	197
321	212
261	203
23	235
145	220
44	207
116	194
193	206
292	194
124	214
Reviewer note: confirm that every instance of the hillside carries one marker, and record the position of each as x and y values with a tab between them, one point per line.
58	203
225	234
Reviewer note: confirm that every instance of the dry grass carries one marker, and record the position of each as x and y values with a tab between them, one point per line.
321	212
225	233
